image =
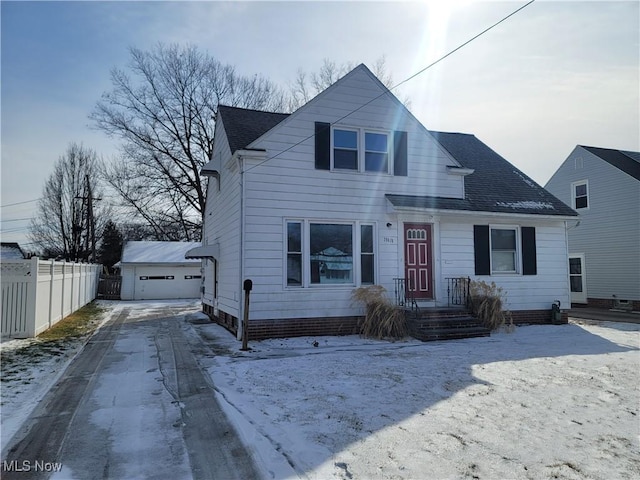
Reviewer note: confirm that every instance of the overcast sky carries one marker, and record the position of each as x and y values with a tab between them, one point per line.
555	75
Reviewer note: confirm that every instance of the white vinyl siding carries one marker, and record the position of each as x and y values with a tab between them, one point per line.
222	225
523	292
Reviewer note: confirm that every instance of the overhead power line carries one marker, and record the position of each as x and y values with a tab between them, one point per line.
411	77
19	203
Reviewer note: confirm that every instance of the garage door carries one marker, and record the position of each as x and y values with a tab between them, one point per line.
156	283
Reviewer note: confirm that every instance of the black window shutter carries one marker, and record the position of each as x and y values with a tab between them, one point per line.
481	252
400	153
323	146
529	259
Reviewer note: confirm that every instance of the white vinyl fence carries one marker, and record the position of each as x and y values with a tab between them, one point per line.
36	294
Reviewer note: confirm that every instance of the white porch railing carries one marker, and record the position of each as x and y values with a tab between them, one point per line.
37	294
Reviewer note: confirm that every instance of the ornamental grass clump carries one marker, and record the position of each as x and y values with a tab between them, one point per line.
382	319
487	303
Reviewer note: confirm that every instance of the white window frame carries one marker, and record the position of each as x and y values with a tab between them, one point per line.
574	197
356	238
518	252
361	149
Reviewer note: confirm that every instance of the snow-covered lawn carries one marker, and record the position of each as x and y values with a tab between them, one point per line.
542	402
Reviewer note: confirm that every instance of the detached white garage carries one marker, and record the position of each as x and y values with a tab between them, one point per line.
158	270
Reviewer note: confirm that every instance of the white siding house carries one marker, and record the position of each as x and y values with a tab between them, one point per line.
352	190
158	270
603	185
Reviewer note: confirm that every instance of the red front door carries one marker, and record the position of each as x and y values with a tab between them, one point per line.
418	256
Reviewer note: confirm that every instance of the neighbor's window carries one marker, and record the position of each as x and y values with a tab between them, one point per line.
345	149
331	253
294	253
376	152
580	195
367	272
504	253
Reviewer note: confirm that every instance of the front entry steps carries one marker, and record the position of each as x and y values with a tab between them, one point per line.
444	324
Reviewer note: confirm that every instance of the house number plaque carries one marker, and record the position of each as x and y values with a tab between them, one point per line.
389	240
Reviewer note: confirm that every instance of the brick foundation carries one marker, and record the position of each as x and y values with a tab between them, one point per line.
289	327
609	303
600	302
223	318
302	327
537	317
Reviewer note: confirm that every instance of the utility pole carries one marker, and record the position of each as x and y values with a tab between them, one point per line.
91	222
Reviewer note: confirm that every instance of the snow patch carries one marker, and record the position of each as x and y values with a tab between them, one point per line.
527	204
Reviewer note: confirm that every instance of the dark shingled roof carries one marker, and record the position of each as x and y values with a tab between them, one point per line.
243	126
495	186
628	162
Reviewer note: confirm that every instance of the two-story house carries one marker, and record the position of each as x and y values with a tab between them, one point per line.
351	190
603	186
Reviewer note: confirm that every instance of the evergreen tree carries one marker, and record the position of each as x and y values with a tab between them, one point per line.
110	249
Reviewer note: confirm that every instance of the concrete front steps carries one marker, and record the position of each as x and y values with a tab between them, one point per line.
444	324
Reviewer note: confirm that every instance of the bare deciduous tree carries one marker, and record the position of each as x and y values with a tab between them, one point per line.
163	110
69	218
306	86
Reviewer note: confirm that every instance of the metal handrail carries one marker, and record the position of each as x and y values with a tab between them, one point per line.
458	291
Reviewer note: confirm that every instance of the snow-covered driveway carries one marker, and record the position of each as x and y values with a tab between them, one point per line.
542	402
133	404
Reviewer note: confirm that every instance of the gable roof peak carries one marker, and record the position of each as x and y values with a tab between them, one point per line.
626	161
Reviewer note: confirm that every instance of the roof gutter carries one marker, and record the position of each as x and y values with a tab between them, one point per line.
438	211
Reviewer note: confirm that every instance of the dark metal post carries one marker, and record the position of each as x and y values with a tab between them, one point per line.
248	285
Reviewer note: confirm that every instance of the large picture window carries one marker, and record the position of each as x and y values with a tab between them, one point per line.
331	253
324	253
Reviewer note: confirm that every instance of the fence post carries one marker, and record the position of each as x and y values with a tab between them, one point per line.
50	312
32	297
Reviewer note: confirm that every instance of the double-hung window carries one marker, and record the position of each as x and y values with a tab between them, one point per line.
345	149
504	250
580	194
360	150
376	152
294	253
324	253
367	267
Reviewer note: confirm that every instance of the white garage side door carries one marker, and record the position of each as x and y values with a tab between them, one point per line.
166	282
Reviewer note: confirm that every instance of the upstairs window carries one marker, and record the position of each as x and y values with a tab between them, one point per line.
376	152
580	194
345	149
360	150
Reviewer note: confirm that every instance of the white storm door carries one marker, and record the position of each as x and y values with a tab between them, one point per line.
577	278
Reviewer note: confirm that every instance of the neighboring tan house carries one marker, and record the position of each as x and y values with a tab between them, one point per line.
603	186
351	190
158	270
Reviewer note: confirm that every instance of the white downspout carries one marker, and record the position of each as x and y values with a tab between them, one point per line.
241	279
